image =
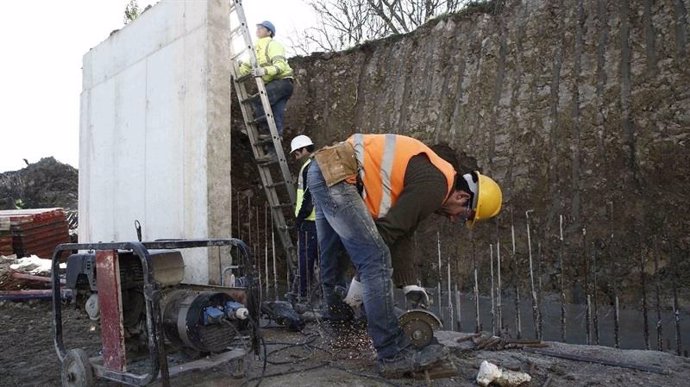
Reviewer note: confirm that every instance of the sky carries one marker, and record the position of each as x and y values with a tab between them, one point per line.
43	42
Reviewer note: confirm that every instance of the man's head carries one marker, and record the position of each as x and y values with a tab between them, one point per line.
474	197
301	146
265	28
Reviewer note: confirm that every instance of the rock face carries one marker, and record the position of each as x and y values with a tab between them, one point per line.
578	109
47	183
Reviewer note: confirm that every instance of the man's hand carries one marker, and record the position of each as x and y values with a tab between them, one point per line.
259	71
416	296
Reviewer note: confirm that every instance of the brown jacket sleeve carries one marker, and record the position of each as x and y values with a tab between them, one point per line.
424	191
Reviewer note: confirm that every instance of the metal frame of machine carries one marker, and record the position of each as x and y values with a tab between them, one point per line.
113	367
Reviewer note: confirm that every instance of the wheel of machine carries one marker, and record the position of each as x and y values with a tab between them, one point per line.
76	369
419	325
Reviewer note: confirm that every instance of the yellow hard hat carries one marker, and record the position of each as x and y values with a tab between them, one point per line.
486	198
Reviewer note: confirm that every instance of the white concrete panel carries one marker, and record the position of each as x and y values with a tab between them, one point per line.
99	156
144	130
164	150
156	28
85	170
129	148
195	125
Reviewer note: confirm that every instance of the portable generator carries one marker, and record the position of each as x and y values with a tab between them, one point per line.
147	314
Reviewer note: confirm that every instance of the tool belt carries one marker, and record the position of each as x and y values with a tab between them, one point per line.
337	163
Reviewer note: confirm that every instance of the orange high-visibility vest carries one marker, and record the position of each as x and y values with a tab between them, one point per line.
383	160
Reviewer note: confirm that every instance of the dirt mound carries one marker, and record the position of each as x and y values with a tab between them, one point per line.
46	183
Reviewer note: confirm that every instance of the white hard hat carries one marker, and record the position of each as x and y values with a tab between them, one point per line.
300	142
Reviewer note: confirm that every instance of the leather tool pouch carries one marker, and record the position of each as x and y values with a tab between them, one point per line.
337	163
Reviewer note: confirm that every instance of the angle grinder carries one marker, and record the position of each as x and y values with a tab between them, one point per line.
419	326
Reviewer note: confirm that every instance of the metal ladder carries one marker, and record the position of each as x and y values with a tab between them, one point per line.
274	171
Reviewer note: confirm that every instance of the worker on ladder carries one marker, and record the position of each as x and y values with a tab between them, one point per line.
302	148
371	192
275	71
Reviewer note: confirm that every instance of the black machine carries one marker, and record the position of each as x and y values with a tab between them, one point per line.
135	291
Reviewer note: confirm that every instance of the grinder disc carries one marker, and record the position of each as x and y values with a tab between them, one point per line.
419	326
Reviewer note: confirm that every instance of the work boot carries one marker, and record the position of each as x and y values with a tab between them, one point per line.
411	360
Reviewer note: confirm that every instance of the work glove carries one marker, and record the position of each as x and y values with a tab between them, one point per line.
259	71
416	296
355	294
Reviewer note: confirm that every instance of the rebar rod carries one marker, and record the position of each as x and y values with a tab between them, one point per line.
239	216
478	325
562	281
450	301
266	243
438	285
477	328
499	307
588	310
588	317
535	302
539	291
249	221
676	310
659	333
493	306
645	316
616	321
273	251
458	309
595	310
257	239
518	322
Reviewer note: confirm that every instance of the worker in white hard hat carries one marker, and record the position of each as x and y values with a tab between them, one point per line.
273	68
301	147
371	192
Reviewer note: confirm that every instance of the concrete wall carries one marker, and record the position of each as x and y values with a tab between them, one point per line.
155	131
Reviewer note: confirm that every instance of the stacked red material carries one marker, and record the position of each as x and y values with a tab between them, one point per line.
35	231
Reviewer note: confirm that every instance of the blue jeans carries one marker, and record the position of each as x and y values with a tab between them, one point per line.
343	223
308	253
278	93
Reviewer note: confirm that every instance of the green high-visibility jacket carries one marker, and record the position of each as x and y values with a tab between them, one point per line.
301	188
270	55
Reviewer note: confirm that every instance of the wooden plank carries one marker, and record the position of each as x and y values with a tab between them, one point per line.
110	302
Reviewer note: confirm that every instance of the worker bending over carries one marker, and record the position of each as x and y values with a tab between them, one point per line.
402	181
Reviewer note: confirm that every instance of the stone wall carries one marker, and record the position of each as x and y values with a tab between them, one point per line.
578	109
